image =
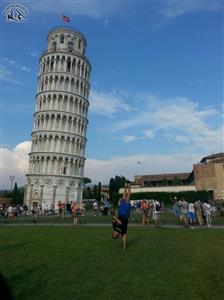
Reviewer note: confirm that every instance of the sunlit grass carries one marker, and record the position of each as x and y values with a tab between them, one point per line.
85	263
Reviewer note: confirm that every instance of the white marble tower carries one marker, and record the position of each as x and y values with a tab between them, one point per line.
57	157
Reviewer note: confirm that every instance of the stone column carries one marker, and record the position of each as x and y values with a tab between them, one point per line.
54	196
25	194
66	194
41	193
30	197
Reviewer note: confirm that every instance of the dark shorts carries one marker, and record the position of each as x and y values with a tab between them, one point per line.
121	228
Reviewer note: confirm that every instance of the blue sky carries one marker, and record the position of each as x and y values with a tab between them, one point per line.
156	83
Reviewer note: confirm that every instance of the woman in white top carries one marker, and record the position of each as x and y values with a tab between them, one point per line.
207	211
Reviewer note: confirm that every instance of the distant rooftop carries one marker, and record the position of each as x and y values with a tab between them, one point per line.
213	156
167	176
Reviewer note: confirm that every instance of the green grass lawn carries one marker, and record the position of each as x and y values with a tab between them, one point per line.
85	263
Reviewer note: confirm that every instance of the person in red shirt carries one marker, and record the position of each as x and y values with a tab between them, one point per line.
60	208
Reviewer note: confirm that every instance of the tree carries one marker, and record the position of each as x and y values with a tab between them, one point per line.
6	194
117	183
164	182
87	180
114	187
99	192
123	181
16	197
111	188
95	191
177	181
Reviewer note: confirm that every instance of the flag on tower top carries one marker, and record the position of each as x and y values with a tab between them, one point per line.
65	19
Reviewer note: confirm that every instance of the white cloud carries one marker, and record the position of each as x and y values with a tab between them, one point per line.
9	70
107	104
149	134
94	9
128	138
182	139
12	62
106	23
25	69
167	10
172	9
7	75
4	72
34	54
128	166
14	162
182	118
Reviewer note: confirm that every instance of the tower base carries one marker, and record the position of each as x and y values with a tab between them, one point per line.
47	191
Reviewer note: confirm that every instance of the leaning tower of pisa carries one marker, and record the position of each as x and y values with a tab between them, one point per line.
57	157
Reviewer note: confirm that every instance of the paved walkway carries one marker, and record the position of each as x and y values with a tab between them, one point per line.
108	225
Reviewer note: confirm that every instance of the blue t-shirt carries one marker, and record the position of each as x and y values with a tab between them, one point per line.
124	209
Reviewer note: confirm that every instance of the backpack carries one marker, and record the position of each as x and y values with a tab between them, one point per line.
157	207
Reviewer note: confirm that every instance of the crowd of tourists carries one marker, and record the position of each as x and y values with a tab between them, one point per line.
194	213
150	211
13	211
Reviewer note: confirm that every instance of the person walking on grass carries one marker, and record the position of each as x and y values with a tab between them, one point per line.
120	223
74	208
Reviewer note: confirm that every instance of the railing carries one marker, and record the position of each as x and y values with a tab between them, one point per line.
65	50
68	28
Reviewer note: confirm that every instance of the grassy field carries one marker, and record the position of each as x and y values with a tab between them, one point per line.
85	263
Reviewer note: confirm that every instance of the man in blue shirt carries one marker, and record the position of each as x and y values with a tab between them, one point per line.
120	223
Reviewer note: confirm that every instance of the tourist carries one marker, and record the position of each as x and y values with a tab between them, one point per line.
95	208
120	223
198	211
191	213
132	208
100	208
74	208
9	212
14	212
177	210
207	212
39	211
25	209
68	209
156	212
145	212
83	208
106	206
34	214
179	203
184	211
60	208
52	209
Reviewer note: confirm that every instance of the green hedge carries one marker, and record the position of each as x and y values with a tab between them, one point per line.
166	196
